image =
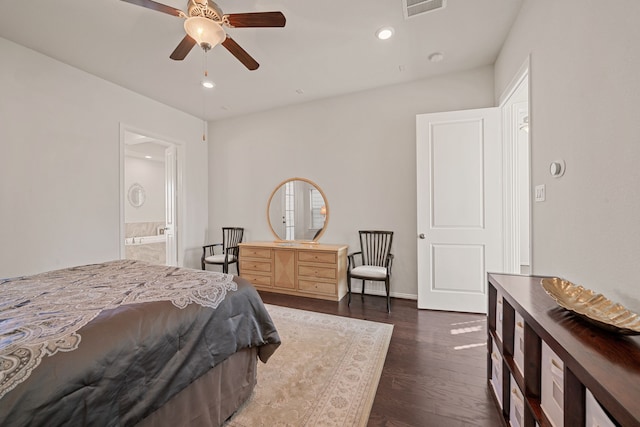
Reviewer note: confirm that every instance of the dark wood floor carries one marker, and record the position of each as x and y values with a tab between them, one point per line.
435	370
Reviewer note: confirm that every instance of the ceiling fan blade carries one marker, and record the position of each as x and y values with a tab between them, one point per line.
240	53
183	48
150	4
257	19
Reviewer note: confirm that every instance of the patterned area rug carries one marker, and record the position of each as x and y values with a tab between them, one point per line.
325	373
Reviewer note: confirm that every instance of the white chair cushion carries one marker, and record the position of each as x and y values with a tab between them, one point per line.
219	259
372	272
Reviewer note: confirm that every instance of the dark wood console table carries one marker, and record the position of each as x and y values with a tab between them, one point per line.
593	361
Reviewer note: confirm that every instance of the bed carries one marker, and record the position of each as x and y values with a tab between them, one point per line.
129	343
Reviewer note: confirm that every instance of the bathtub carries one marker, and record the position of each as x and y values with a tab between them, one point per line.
145	240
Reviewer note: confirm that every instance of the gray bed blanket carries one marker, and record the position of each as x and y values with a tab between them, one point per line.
159	330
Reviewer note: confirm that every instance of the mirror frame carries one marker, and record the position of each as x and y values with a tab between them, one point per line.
326	203
136	195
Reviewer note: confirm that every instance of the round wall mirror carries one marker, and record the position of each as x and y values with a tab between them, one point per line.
298	210
136	195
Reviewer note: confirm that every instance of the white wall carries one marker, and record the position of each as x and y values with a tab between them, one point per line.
60	174
150	175
585	93
359	148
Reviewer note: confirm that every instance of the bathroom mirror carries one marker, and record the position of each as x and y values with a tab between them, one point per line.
136	195
298	211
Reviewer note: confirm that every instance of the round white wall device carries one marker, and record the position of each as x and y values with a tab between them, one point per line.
556	168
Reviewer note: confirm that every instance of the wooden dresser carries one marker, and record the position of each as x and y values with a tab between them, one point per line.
305	269
547	367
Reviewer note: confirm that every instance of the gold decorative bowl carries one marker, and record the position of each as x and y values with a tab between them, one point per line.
593	307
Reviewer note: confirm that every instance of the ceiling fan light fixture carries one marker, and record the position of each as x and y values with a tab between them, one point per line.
204	31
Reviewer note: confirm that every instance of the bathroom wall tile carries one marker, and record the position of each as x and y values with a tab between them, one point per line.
139	229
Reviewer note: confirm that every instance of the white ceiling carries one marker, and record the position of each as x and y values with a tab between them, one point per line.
143	147
327	47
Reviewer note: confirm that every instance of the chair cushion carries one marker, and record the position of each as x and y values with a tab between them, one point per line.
372	272
218	259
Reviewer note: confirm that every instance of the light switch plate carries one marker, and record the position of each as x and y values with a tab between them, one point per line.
540	193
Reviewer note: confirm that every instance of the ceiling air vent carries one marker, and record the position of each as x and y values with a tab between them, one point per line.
418	7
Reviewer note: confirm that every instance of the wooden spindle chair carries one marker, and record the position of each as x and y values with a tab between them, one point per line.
373	261
230	251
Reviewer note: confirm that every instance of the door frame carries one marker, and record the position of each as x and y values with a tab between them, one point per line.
180	199
510	171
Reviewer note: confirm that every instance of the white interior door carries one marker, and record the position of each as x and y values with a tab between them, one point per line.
171	179
459	204
516	173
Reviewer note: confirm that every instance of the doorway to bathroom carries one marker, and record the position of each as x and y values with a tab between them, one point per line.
149	195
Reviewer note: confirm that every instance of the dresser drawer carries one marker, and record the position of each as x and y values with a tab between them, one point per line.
317	272
595	415
317	256
518	343
257	279
496	373
499	314
516	411
252	266
317	287
251	252
552	386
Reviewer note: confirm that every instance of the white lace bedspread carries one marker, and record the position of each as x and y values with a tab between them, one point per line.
41	314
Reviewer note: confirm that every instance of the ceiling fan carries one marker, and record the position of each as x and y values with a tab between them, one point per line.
204	22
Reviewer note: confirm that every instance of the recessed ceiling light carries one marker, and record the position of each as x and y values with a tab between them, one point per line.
436	57
384	33
147	157
208	84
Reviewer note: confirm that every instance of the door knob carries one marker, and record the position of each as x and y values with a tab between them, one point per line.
421	235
